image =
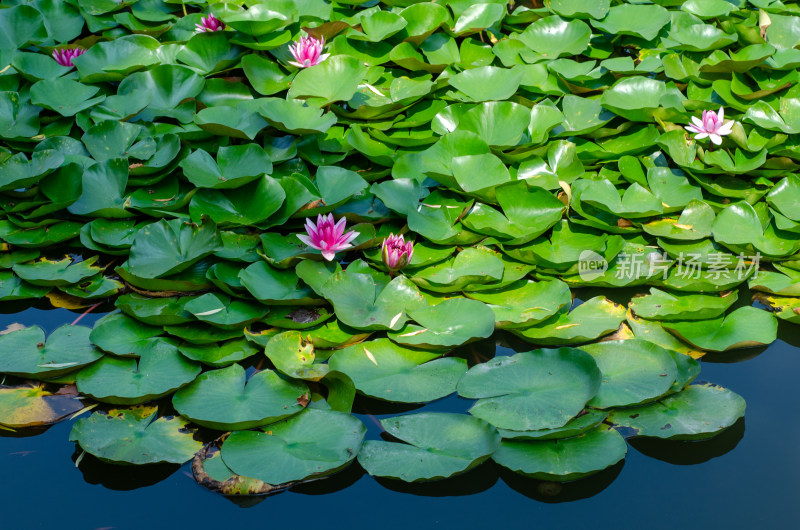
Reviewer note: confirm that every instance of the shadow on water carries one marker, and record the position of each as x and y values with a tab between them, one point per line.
556	492
687	453
473	481
121	478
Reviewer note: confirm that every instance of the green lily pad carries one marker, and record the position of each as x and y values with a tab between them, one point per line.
275	287
293	116
528	212
385	370
129	381
219	354
124	336
453	322
167	247
235	166
65	96
661	305
167	311
592	319
439	445
248	204
525	302
539	389
56	273
12	288
335	79
313	443
743	328
634	372
694	223
470	266
360	303
588	419
697	413
136	436
225	400
27	354
219	310
487	83
554	37
202	334
563	460
293	355
644	21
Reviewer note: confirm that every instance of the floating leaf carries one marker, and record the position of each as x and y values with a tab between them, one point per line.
225	400
563	460
385	370
697	413
540	389
136	436
439	445
313	443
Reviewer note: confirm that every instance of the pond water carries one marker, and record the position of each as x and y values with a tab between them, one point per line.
746	477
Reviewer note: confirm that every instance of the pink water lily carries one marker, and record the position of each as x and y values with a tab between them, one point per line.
396	252
307	52
64	56
711	125
327	235
209	23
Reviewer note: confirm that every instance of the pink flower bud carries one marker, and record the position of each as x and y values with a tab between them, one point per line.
396	252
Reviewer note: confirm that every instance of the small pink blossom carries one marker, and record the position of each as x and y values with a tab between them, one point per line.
64	56
209	23
307	52
396	252
327	236
711	125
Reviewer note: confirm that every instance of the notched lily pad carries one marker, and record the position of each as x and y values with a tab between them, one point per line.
136	436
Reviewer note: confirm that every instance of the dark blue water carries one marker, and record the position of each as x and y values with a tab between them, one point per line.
746	478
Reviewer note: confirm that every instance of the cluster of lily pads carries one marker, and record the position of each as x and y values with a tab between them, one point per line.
164	156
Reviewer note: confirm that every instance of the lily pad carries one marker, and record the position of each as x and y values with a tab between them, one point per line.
129	381
634	372
27	406
563	460
592	319
697	413
539	389
525	302
661	305
449	324
313	443
438	445
385	370
27	354
136	436
226	400
743	328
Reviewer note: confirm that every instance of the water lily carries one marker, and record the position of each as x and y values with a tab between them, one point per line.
64	56
327	235
307	52
209	23
711	125
396	252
